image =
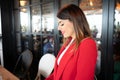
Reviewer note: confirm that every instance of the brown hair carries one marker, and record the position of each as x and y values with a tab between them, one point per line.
74	14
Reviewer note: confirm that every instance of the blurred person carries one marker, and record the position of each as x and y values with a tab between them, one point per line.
49	46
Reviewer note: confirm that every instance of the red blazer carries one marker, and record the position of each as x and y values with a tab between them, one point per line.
76	65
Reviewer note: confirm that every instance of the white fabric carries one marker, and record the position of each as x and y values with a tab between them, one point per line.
46	64
60	57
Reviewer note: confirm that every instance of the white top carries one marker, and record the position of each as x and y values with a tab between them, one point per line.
61	55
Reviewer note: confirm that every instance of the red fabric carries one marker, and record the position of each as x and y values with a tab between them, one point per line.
76	65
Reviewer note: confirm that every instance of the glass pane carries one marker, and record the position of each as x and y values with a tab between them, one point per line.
37	50
93	12
24	19
25	42
48	18
36	20
18	41
116	43
35	1
23	2
48	44
47	0
1	53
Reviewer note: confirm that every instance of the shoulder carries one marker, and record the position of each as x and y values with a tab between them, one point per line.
88	42
88	45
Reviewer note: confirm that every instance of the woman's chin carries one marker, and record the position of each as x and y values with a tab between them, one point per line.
65	36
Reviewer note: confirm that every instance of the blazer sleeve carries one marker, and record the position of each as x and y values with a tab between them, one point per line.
86	60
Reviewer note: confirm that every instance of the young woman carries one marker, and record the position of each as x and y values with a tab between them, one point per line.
77	57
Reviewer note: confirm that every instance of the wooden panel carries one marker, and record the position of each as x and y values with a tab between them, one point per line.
6	75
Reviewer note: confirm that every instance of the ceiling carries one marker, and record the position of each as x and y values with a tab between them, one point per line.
91	6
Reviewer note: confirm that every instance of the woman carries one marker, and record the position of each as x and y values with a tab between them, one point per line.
76	59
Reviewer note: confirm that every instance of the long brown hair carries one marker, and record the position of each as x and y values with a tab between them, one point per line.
74	14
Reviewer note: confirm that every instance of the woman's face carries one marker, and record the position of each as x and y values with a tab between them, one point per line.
66	27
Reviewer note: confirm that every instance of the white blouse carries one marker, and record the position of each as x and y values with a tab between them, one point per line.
61	55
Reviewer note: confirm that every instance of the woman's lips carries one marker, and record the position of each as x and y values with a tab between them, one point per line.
62	32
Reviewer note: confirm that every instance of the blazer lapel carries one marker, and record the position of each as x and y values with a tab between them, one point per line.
63	62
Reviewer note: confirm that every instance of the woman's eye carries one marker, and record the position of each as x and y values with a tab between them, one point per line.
62	25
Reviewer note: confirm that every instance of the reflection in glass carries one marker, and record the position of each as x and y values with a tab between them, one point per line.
117	21
18	42
116	43
37	50
47	0
25	42
36	43
35	1
36	20
48	44
48	18
93	12
24	19
23	2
